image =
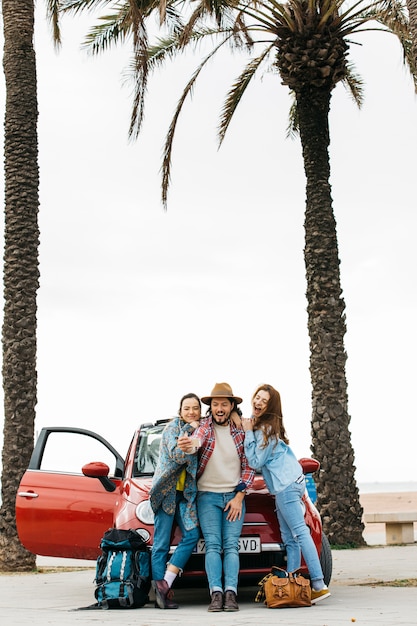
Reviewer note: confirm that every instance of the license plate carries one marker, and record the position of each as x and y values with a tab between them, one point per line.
247	545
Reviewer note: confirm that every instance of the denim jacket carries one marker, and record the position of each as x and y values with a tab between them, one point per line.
277	461
171	462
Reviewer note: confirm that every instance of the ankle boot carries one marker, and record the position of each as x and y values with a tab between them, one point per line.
163	595
230	602
216	603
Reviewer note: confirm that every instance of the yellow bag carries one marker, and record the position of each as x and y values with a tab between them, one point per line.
293	590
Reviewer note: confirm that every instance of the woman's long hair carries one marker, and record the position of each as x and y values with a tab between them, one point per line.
271	422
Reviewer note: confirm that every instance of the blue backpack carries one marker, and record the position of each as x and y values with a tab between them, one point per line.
122	571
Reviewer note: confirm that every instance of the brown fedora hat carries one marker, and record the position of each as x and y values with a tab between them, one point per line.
221	390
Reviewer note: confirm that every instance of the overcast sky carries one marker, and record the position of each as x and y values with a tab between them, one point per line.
138	306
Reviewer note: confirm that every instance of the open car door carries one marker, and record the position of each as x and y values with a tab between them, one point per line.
59	511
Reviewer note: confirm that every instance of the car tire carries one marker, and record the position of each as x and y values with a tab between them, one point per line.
326	559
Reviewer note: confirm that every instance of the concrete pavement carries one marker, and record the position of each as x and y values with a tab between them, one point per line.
50	598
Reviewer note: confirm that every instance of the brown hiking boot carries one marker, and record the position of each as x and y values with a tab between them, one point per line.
163	595
230	602
216	603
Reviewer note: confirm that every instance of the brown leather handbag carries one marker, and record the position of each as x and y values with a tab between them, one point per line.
292	590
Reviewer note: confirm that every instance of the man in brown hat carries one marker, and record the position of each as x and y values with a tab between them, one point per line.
223	476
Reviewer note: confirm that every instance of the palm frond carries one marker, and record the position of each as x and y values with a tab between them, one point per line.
52	16
196	15
293	127
393	16
78	6
162	10
354	84
242	36
220	10
140	45
166	163
169	47
275	15
238	89
112	29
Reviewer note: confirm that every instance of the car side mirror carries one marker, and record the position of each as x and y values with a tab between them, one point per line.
99	470
309	465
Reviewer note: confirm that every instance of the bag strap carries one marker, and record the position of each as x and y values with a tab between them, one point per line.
260	596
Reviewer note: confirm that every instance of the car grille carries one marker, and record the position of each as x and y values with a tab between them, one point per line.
263	560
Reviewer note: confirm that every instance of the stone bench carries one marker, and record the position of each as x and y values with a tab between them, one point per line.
399	527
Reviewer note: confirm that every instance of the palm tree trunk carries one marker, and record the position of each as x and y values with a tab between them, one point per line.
21	271
338	496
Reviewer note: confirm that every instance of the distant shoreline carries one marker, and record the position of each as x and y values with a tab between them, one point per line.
387	487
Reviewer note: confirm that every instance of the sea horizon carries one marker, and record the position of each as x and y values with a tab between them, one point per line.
387	487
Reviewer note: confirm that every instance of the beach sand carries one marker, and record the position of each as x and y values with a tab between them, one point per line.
386	503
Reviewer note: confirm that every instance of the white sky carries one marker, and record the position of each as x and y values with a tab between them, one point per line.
138	306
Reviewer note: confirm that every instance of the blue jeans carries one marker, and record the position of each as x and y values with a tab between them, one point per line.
162	541
295	532
221	538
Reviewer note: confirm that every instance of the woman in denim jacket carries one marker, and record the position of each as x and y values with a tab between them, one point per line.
267	449
173	498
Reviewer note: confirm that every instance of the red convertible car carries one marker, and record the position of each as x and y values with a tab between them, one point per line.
66	501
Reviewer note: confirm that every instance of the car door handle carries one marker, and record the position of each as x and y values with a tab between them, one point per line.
27	494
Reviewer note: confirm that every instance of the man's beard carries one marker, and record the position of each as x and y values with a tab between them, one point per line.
226	422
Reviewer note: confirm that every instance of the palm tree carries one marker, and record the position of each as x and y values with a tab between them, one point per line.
20	268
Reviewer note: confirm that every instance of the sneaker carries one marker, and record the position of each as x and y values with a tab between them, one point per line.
216	603
163	595
317	596
230	602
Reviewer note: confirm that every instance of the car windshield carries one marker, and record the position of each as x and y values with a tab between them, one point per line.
147	450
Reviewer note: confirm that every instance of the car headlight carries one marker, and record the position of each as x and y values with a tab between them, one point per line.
144	513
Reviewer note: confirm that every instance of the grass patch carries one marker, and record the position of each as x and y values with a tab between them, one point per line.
346	546
57	570
47	570
405	582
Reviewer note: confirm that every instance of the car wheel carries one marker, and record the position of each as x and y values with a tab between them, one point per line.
326	560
